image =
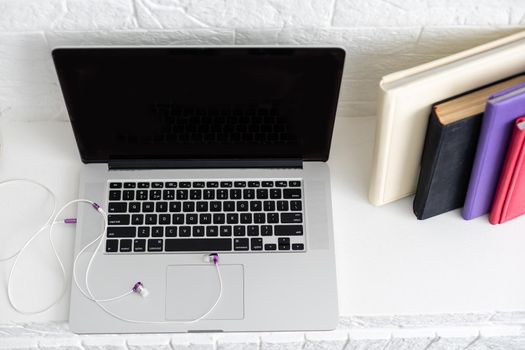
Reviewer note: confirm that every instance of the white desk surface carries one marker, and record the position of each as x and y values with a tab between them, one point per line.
388	263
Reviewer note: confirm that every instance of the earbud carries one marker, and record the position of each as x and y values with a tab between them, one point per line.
140	289
211	258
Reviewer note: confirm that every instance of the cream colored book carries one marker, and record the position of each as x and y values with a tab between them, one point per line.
404	108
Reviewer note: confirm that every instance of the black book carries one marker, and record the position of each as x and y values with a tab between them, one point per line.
449	150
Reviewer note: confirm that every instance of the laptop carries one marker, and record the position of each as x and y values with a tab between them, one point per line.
195	151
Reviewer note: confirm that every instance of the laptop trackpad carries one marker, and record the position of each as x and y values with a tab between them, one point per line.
191	290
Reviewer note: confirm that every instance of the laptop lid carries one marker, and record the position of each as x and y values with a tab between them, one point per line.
154	104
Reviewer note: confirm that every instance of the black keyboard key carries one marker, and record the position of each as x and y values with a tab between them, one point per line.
175	207
134	207
191	219
226	184
259	218
256	243
239	183
143	231
142	195
270	246
204	219
212	184
121	232
253	230
232	218
235	194
111	245
266	230
128	195
275	193
228	206
297	246
147	207
281	184
198	231
155	245
267	184
164	219
114	195
177	219
219	218
137	219
208	194
168	195
182	195
284	247
151	219
198	184
248	193
118	219
188	207
292	193
185	184
125	245
282	205
291	218
288	230
242	206
161	207
296	205
294	183
255	205
246	218
195	194
269	205
241	244
272	218
196	245
171	231
130	185
117	207
143	185
212	231
202	207
157	185
155	195
115	185
239	230
215	206
254	184
139	245
262	193
171	184
225	231
184	231
222	194
283	240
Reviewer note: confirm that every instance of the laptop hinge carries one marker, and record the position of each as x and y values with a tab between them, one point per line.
134	164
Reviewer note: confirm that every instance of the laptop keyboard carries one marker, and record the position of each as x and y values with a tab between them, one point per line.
205	216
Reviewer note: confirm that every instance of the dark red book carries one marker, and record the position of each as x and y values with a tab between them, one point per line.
509	201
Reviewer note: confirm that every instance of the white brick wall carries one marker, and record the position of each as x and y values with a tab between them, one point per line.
380	36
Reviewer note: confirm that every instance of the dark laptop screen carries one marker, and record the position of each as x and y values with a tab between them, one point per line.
201	103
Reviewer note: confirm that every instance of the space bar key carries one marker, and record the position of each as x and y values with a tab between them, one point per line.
198	245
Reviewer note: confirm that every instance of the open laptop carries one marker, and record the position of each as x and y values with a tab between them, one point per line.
201	150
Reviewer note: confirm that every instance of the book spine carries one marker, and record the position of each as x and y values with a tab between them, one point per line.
429	161
381	148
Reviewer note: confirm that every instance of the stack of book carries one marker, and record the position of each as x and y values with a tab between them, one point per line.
452	131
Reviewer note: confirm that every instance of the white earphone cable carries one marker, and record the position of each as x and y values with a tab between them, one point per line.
50	223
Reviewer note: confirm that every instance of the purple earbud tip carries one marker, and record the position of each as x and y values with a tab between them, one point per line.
70	221
95	205
215	259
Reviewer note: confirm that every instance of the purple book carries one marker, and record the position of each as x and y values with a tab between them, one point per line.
496	128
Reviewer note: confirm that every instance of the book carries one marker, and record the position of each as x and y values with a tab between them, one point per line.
449	150
496	129
509	201
405	99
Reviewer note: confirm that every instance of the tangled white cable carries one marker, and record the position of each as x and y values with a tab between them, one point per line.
138	287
